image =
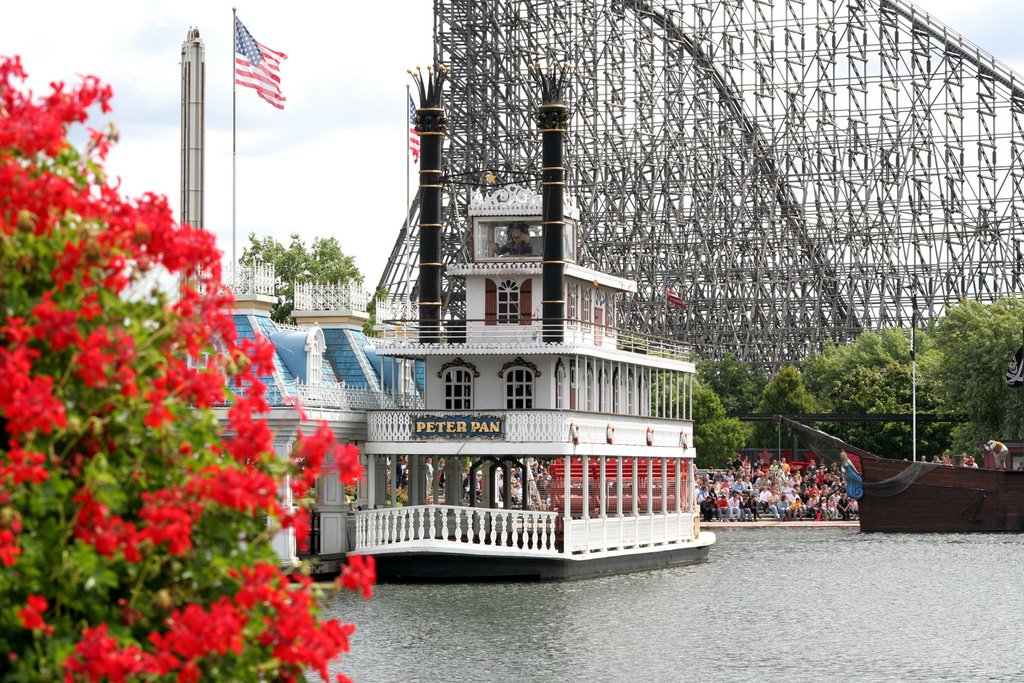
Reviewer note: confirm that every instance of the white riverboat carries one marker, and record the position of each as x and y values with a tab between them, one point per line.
550	443
532	459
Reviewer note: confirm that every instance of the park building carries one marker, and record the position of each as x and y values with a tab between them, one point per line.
325	363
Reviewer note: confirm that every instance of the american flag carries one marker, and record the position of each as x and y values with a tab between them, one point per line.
256	66
414	136
674	299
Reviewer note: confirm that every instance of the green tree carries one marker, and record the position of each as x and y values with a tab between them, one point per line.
872	375
822	371
323	263
715	436
785	394
738	387
974	343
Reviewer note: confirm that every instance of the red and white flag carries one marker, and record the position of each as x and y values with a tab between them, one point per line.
414	136
674	299
257	66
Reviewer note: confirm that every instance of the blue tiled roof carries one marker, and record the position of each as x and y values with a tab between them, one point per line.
345	357
291	347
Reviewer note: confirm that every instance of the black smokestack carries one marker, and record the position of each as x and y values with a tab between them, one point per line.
553	121
431	124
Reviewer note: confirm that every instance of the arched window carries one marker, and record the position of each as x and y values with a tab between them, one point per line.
315	344
508	301
591	388
574	292
458	389
519	389
631	408
560	385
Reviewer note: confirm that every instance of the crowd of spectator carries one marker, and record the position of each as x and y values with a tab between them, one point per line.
777	491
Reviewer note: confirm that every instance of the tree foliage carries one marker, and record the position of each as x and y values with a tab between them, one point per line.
133	537
716	437
737	386
323	263
872	375
785	394
974	343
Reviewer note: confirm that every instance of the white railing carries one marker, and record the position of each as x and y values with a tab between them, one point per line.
257	278
547	426
612	533
397	308
312	296
425	526
334	395
399	328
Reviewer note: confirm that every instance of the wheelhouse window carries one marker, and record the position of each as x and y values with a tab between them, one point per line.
458	389
508	301
519	389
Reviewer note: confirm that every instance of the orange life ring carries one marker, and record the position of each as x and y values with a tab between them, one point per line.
574	433
609	433
650	436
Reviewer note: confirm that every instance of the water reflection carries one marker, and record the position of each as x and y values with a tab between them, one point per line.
771	604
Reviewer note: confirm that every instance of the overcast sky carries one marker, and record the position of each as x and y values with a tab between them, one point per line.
333	162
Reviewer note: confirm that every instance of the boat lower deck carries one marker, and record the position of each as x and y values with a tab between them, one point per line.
433	565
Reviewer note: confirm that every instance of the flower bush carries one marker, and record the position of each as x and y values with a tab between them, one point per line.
134	537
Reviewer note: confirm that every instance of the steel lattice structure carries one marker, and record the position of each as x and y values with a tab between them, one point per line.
800	169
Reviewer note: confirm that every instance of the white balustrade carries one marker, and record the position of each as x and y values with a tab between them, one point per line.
313	296
640	531
424	526
547	426
256	278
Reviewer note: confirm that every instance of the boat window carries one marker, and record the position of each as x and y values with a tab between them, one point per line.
458	389
519	389
508	301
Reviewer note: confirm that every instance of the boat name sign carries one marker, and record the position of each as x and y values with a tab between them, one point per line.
458	426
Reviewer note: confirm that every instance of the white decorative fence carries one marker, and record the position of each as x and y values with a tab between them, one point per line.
257	278
612	533
312	296
424	526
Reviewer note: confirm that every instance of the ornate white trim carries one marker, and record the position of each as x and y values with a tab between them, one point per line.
514	200
312	296
255	279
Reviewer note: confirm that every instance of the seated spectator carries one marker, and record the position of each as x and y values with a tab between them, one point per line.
796	508
843	506
813	510
735	507
748	512
722	505
708	509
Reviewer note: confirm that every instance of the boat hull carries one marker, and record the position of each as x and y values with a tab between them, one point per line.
944	499
427	565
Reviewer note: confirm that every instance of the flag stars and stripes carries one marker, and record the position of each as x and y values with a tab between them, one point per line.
257	66
414	136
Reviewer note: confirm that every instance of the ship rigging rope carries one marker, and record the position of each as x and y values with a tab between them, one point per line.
830	447
902	481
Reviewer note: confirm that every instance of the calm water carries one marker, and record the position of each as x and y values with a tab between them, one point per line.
771	604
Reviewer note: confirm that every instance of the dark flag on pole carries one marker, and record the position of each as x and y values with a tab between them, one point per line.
1015	370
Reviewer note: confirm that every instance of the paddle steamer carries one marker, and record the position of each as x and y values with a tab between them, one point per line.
550	443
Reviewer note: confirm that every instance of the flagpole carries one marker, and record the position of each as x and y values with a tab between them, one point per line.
408	206
234	148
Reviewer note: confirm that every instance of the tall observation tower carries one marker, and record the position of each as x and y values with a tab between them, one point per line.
193	124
